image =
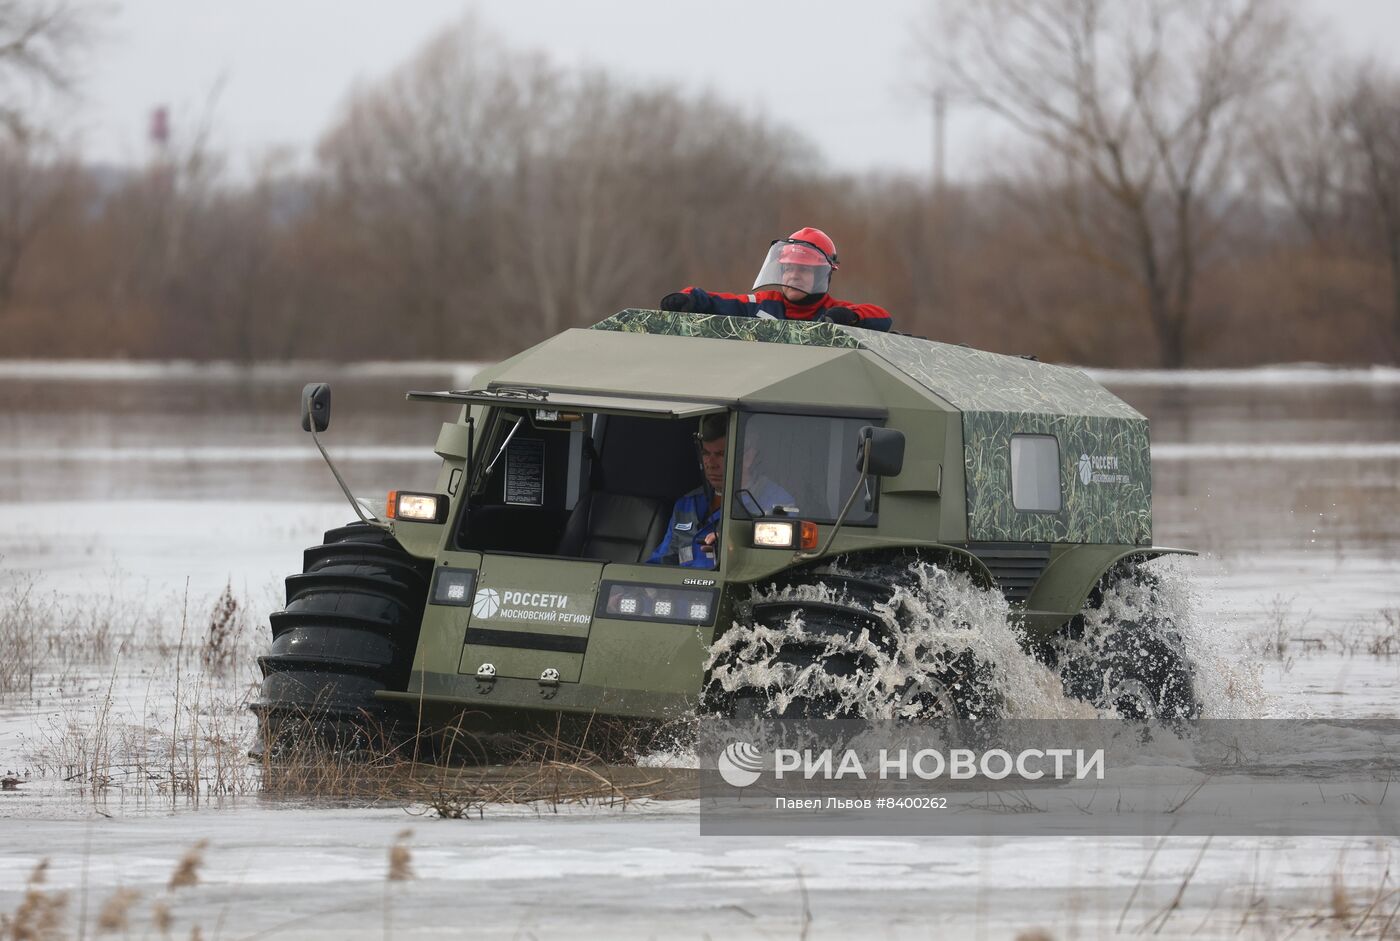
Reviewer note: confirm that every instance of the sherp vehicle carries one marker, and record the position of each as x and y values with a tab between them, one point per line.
519	590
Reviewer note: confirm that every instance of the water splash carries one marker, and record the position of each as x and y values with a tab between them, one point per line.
1227	686
940	624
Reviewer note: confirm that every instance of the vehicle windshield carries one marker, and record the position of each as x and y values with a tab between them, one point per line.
804	463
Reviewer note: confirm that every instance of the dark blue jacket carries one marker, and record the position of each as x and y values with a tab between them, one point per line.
691	521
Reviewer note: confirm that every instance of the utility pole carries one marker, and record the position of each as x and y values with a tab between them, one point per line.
932	290
940	117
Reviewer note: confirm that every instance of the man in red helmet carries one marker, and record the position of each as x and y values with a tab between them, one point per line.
791	285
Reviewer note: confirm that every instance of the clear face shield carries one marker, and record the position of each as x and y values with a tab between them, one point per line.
800	266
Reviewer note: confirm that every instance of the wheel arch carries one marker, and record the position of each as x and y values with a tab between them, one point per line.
1070	579
951	556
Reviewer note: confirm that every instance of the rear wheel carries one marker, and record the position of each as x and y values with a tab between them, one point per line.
349	629
1124	652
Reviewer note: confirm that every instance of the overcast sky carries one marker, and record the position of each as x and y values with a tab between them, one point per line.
842	70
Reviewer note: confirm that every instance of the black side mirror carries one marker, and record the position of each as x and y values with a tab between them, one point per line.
316	406
886	448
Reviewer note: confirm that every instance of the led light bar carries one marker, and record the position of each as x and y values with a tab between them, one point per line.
628	601
452	586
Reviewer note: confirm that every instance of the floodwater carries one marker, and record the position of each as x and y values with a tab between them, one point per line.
146	489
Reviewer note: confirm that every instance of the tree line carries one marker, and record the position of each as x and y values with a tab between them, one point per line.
1188	183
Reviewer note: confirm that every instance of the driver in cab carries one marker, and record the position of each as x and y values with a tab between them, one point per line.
692	536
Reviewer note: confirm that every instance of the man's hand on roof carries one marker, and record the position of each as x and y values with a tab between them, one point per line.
678	301
842	315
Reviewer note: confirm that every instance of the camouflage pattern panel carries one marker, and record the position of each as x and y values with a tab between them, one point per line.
968	379
978	381
752	329
1105	479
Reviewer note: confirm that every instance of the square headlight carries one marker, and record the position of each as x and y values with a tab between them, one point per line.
418	507
773	534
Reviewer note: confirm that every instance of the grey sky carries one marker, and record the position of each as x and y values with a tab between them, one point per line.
837	69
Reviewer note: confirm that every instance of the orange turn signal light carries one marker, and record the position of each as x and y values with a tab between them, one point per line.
808	537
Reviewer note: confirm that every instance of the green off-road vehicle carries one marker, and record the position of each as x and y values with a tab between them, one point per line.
872	478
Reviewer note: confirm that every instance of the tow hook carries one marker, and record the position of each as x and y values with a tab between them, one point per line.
549	683
485	677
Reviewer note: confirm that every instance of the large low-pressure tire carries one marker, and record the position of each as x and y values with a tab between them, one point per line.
349	628
1136	664
835	644
843	648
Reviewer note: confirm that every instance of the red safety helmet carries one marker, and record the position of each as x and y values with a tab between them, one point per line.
807	248
798	245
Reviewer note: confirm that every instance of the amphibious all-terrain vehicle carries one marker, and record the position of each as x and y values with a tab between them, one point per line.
520	589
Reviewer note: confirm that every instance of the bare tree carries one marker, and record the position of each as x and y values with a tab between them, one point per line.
636	194
1301	156
1369	117
484	193
35	180
39	41
410	168
1138	105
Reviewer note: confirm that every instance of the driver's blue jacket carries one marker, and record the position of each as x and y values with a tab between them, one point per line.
692	520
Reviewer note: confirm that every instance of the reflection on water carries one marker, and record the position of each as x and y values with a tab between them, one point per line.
1238	467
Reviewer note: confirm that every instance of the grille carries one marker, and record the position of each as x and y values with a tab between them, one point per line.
1016	566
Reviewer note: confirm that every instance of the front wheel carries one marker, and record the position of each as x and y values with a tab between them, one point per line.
875	642
349	629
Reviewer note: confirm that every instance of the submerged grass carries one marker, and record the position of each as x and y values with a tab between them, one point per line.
544	770
147	700
1284	635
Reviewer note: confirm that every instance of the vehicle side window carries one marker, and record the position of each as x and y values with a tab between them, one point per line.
807	462
1035	473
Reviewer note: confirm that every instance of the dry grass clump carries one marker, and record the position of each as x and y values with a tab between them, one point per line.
186	871
197	750
40	914
19	644
183	736
115	914
1284	635
48	641
400	859
1384	642
224	633
1279	632
544	769
550	770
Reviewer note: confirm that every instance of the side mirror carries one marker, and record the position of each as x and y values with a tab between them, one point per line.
316	406
886	448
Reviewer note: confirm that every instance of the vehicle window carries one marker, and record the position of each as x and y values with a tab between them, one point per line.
1035	473
802	461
